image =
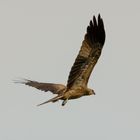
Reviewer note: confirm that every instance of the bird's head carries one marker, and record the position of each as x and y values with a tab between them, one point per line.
90	92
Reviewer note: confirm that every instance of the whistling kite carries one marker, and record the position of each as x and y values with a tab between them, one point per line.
81	70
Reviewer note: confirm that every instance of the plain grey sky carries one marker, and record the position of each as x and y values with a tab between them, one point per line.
40	40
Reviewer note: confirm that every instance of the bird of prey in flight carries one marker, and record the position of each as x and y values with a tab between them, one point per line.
81	70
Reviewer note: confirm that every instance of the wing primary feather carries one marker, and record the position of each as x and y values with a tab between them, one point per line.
101	31
94	21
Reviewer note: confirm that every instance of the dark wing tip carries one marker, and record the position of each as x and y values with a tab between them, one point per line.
99	16
101	29
28	82
95	31
21	81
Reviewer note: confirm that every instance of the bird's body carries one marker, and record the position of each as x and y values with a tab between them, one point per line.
81	70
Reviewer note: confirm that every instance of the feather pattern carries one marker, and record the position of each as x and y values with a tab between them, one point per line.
88	55
54	88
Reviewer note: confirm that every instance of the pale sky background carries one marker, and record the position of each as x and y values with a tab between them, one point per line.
39	40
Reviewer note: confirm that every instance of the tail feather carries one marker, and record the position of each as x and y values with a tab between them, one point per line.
52	100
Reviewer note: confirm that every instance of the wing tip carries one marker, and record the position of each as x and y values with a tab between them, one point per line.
21	81
99	16
96	31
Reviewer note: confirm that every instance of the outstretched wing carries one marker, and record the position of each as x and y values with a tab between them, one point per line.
54	88
89	53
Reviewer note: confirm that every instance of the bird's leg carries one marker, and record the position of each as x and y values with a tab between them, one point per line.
64	102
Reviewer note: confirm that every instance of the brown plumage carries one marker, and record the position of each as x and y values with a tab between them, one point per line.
81	70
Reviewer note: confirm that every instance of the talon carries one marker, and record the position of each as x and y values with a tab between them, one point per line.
64	102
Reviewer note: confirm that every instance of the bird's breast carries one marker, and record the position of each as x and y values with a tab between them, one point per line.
74	93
